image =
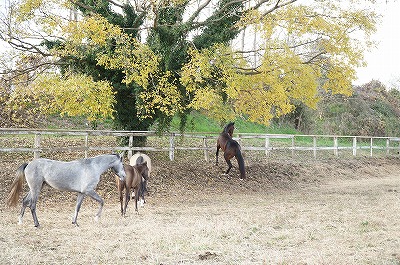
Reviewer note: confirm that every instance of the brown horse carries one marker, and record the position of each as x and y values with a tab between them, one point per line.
231	149
139	158
135	175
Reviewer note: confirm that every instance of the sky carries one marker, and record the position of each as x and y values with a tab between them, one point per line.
384	61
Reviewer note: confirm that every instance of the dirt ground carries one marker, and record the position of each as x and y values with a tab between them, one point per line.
295	211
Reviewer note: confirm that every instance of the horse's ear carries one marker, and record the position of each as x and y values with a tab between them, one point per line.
121	155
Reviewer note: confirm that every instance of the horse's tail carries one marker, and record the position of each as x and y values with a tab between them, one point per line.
16	186
240	161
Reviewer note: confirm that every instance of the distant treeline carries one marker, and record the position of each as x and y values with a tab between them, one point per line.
372	110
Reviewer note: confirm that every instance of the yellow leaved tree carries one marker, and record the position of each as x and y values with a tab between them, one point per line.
255	59
74	95
299	50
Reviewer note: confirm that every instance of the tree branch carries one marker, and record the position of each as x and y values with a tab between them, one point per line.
277	6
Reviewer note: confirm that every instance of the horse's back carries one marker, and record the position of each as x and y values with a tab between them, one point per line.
42	166
71	176
233	143
132	175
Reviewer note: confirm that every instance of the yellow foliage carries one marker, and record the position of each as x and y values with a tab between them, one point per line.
260	96
92	31
301	49
38	17
136	60
75	95
164	97
26	9
208	100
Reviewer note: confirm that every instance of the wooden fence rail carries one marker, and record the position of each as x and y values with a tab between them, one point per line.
268	143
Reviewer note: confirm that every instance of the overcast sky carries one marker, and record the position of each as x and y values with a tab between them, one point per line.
384	62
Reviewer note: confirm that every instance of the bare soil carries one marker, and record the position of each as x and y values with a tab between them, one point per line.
294	211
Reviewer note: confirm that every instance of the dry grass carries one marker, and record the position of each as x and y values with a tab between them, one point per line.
319	212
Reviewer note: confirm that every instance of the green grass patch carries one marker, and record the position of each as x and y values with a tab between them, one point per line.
198	122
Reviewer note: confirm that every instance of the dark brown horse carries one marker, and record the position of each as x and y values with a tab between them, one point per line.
135	175
231	149
139	158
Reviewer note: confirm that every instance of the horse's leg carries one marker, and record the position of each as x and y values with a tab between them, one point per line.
143	187
121	199
79	201
34	195
141	192
127	198
92	194
216	154
136	198
33	211
25	203
228	161
120	187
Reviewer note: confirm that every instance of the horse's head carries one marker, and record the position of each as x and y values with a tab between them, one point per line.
118	167
144	170
229	128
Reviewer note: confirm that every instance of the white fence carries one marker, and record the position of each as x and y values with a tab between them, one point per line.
267	143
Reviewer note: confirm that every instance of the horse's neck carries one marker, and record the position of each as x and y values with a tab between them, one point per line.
140	168
102	163
226	136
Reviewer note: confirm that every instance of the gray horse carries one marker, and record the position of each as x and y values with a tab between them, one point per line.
81	176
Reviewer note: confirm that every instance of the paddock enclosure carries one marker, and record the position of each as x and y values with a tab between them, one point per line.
289	210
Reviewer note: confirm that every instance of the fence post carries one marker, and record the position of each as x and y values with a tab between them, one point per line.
36	154
335	146
130	144
206	156
399	148
172	147
266	145
370	147
354	146
387	146
86	145
315	146
293	145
